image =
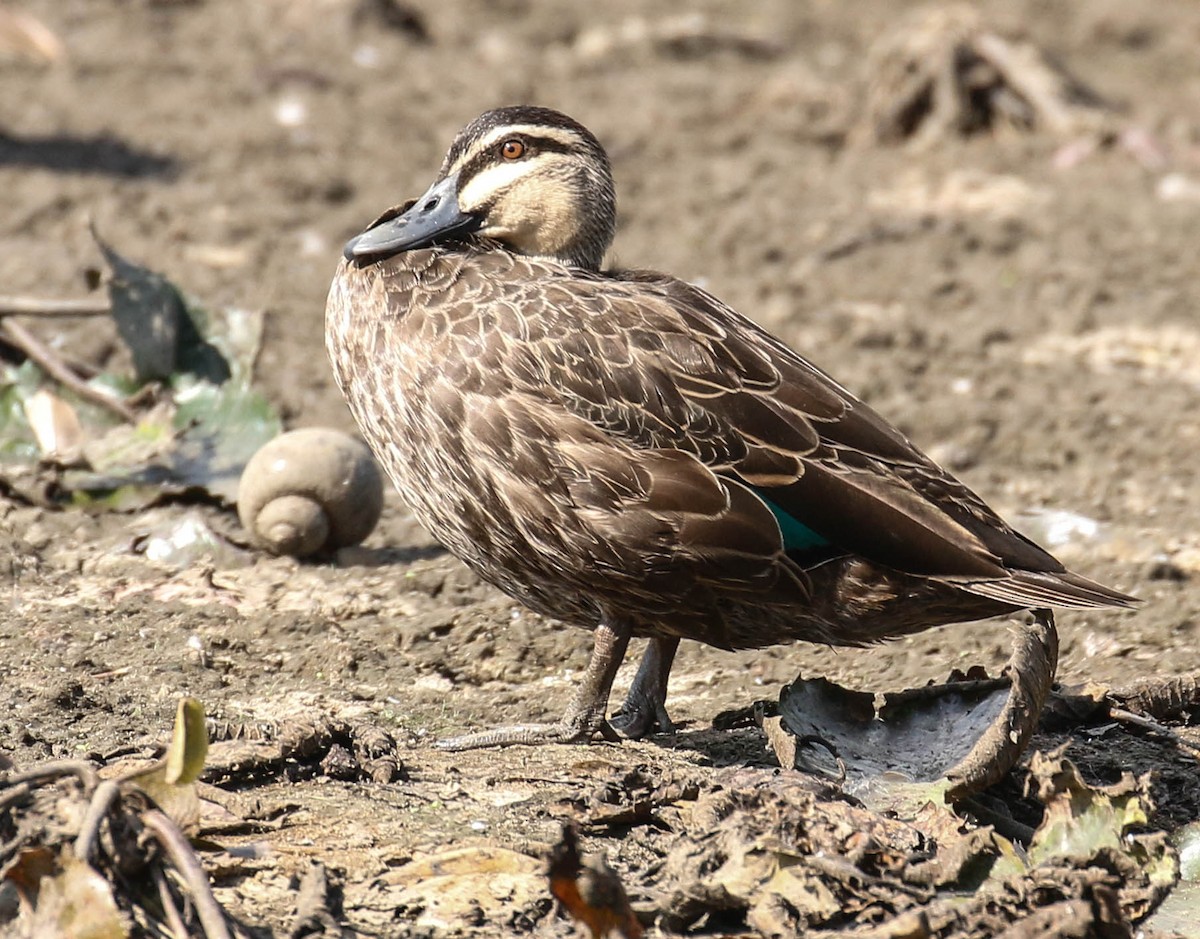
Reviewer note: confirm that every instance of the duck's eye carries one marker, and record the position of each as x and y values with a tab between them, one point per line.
512	149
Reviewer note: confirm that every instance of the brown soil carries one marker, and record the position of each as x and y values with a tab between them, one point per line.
1030	321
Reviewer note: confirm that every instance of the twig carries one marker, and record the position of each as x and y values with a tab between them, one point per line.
112	672
54	770
1161	698
312	905
89	831
37	306
167	833
170	910
14	794
1153	726
16	334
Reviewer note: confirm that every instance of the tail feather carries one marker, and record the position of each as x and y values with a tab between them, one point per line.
1043	589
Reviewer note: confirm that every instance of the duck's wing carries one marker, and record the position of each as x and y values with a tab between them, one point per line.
664	365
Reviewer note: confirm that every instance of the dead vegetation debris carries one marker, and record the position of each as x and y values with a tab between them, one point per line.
769	856
109	858
244	753
946	73
743	850
964	735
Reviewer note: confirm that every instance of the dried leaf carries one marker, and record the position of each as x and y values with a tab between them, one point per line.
25	35
171	782
55	426
1082	820
77	903
448	892
28	868
464	862
156	323
1087	826
189	744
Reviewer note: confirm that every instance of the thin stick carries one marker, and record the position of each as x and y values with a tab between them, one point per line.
37	306
174	920
14	794
20	337
167	833
54	770
89	832
1153	726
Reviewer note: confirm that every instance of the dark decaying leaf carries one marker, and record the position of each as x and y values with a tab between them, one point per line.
199	437
155	323
202	443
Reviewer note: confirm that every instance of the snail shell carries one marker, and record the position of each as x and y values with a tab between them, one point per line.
310	490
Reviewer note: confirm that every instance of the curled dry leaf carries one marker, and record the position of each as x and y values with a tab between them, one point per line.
171	782
23	34
951	740
55	425
447	892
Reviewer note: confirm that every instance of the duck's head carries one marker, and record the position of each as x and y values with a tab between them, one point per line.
531	179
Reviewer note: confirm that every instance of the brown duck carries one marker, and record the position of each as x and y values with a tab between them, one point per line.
623	452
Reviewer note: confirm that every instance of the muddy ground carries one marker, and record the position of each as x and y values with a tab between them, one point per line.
1024	306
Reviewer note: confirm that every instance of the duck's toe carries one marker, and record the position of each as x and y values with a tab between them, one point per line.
531	735
639	717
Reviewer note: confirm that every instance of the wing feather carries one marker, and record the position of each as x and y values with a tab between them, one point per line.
664	365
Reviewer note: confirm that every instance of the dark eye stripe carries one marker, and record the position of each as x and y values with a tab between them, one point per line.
533	146
546	144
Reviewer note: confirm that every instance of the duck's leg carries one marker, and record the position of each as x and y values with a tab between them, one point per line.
645	708
585	715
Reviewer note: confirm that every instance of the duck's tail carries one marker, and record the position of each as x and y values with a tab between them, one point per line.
1036	589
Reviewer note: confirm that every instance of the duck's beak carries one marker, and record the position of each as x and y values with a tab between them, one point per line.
432	218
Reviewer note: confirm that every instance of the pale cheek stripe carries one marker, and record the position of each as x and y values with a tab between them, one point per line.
480	188
564	137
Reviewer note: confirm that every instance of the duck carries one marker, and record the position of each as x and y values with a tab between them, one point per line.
621	451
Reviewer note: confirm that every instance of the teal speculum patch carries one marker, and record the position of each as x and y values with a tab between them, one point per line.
796	535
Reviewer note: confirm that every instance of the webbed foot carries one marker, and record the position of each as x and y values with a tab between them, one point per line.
638	719
567	730
645	709
585	716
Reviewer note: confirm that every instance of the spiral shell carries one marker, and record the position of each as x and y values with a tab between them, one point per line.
310	490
